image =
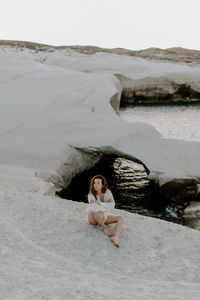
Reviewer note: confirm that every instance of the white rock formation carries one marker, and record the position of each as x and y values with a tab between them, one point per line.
51	100
58	114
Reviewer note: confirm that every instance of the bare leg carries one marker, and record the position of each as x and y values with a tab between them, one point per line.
117	229
91	219
98	217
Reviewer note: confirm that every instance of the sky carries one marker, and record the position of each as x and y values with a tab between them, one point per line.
130	24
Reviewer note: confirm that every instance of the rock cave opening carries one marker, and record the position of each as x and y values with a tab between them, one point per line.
128	181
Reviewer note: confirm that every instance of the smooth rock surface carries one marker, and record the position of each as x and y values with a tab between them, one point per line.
58	116
54	101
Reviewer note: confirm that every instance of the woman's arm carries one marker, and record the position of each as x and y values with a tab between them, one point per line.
94	205
110	204
97	205
109	200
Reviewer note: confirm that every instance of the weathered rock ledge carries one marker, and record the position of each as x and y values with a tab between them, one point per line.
182	93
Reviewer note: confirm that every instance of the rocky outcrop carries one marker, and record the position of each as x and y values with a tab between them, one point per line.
165	93
159	90
181	191
62	103
175	54
192	210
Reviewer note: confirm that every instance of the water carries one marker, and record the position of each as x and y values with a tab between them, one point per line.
180	121
130	180
132	192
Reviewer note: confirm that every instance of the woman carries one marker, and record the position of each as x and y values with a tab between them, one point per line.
101	201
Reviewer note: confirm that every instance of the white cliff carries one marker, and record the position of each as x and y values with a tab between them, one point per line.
51	100
59	114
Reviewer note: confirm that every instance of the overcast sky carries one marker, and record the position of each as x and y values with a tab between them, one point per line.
131	24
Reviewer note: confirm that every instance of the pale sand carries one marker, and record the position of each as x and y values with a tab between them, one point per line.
48	251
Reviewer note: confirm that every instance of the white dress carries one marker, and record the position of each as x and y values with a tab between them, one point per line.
101	206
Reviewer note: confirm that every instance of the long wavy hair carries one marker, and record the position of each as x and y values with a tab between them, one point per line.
104	182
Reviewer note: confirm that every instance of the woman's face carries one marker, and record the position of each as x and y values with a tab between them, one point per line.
98	184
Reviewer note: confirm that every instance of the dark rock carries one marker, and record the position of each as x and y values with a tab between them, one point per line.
180	191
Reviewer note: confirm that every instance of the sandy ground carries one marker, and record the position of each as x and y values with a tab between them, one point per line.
48	251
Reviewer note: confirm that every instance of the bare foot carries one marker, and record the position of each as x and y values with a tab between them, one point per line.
107	231
115	241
